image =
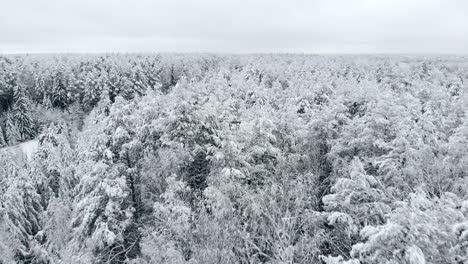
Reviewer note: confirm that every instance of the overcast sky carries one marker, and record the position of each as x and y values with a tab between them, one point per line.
235	26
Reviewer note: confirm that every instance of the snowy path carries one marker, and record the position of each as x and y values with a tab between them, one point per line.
28	148
23	150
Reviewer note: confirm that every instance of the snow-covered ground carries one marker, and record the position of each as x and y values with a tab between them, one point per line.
28	148
23	151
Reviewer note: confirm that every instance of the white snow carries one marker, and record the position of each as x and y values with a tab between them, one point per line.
414	255
29	148
22	152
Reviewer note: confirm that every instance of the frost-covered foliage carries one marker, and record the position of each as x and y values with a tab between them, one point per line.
418	230
234	159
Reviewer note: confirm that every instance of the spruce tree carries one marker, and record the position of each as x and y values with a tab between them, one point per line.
2	139
21	115
12	133
355	202
23	214
107	212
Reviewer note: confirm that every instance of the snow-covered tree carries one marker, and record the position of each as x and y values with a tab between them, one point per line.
461	232
170	240
354	203
418	231
12	132
23	215
21	115
107	211
3	143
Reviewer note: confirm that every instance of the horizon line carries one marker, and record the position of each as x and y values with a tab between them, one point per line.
3	53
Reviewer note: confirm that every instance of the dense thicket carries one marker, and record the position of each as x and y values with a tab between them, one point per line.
234	159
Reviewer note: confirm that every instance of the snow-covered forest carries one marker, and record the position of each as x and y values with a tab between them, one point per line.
199	159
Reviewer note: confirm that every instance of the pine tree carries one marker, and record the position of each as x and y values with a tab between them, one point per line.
61	87
419	230
170	240
21	115
107	211
461	233
355	202
191	134
2	138
23	215
52	163
12	133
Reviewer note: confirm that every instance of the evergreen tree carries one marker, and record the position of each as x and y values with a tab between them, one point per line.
171	240
419	230
187	137
2	138
461	233
12	132
21	115
354	203
23	215
107	212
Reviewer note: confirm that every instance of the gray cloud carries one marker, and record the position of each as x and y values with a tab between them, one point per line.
316	26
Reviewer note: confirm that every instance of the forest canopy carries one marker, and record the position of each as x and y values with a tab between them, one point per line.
197	158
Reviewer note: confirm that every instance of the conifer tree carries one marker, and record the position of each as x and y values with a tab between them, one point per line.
23	215
107	212
12	133
21	115
354	203
2	138
420	230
